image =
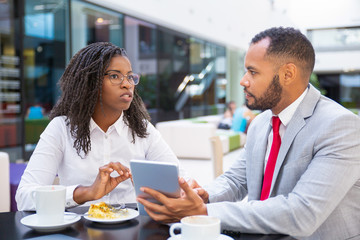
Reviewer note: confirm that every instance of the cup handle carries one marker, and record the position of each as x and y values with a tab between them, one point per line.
173	227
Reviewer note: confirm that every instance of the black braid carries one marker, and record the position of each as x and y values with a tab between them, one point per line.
80	85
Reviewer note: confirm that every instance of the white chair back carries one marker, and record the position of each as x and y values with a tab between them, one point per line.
4	182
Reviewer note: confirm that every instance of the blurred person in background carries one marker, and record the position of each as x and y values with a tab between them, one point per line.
242	119
35	112
227	118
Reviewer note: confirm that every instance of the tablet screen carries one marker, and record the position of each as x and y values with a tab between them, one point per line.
160	176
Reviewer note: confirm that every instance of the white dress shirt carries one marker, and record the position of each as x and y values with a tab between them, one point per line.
285	117
55	155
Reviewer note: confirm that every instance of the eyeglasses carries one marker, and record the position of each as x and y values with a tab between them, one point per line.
117	78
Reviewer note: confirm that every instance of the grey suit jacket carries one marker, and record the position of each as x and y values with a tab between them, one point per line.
315	192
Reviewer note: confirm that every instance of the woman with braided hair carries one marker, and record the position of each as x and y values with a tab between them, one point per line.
97	126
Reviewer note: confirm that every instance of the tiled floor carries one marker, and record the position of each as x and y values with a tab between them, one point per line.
202	171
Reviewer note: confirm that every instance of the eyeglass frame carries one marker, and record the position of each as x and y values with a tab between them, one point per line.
132	82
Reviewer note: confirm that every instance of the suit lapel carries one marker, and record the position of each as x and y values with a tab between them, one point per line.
258	155
292	129
305	110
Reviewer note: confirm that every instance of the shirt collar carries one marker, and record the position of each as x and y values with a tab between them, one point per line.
286	114
118	125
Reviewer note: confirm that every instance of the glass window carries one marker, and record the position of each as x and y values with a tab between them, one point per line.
140	44
44	50
208	87
172	69
91	24
350	90
10	84
147	42
335	38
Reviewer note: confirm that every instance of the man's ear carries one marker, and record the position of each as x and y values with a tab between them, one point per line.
289	73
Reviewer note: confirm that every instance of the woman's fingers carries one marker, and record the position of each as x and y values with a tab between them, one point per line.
104	174
120	169
106	182
122	172
106	169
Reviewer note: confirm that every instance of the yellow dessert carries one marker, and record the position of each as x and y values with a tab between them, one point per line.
103	211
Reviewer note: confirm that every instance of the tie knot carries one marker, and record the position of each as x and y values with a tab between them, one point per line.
276	124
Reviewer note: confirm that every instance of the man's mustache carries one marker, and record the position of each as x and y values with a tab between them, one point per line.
248	93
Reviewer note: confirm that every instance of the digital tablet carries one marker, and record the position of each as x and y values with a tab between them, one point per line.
160	176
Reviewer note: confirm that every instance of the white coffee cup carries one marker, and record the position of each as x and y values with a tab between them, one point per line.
197	227
50	204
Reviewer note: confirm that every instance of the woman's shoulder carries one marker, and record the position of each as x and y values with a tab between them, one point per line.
56	129
151	131
58	122
149	126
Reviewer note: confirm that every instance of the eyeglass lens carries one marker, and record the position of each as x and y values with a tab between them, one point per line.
117	77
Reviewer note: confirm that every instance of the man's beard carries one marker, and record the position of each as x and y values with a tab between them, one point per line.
269	99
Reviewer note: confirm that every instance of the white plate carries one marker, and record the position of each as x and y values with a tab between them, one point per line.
31	221
131	214
221	237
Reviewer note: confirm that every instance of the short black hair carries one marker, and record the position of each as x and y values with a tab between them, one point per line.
289	43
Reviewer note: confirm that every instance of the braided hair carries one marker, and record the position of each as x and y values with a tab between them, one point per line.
81	84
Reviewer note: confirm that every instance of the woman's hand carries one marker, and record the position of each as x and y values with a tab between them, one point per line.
103	184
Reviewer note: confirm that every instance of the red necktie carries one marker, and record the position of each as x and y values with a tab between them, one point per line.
270	166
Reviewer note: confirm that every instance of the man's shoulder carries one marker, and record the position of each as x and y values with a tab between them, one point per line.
329	109
330	118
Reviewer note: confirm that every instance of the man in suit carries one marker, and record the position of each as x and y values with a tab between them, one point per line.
313	190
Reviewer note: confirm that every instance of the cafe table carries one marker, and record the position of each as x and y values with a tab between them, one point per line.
139	228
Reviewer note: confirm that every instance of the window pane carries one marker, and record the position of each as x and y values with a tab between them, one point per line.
44	50
91	24
140	44
350	90
10	94
335	38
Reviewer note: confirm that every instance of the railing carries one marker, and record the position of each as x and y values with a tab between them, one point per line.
194	85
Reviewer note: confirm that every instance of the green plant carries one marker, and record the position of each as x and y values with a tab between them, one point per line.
315	82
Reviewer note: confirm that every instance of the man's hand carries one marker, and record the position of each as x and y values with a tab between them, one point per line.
199	190
173	209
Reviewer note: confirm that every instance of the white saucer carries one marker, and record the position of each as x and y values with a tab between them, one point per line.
31	221
221	237
131	214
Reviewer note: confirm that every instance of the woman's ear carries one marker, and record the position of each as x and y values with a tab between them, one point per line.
289	72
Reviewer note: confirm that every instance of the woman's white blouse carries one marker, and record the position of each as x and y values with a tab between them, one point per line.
56	155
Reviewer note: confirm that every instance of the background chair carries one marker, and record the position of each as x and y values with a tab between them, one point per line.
216	155
4	182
